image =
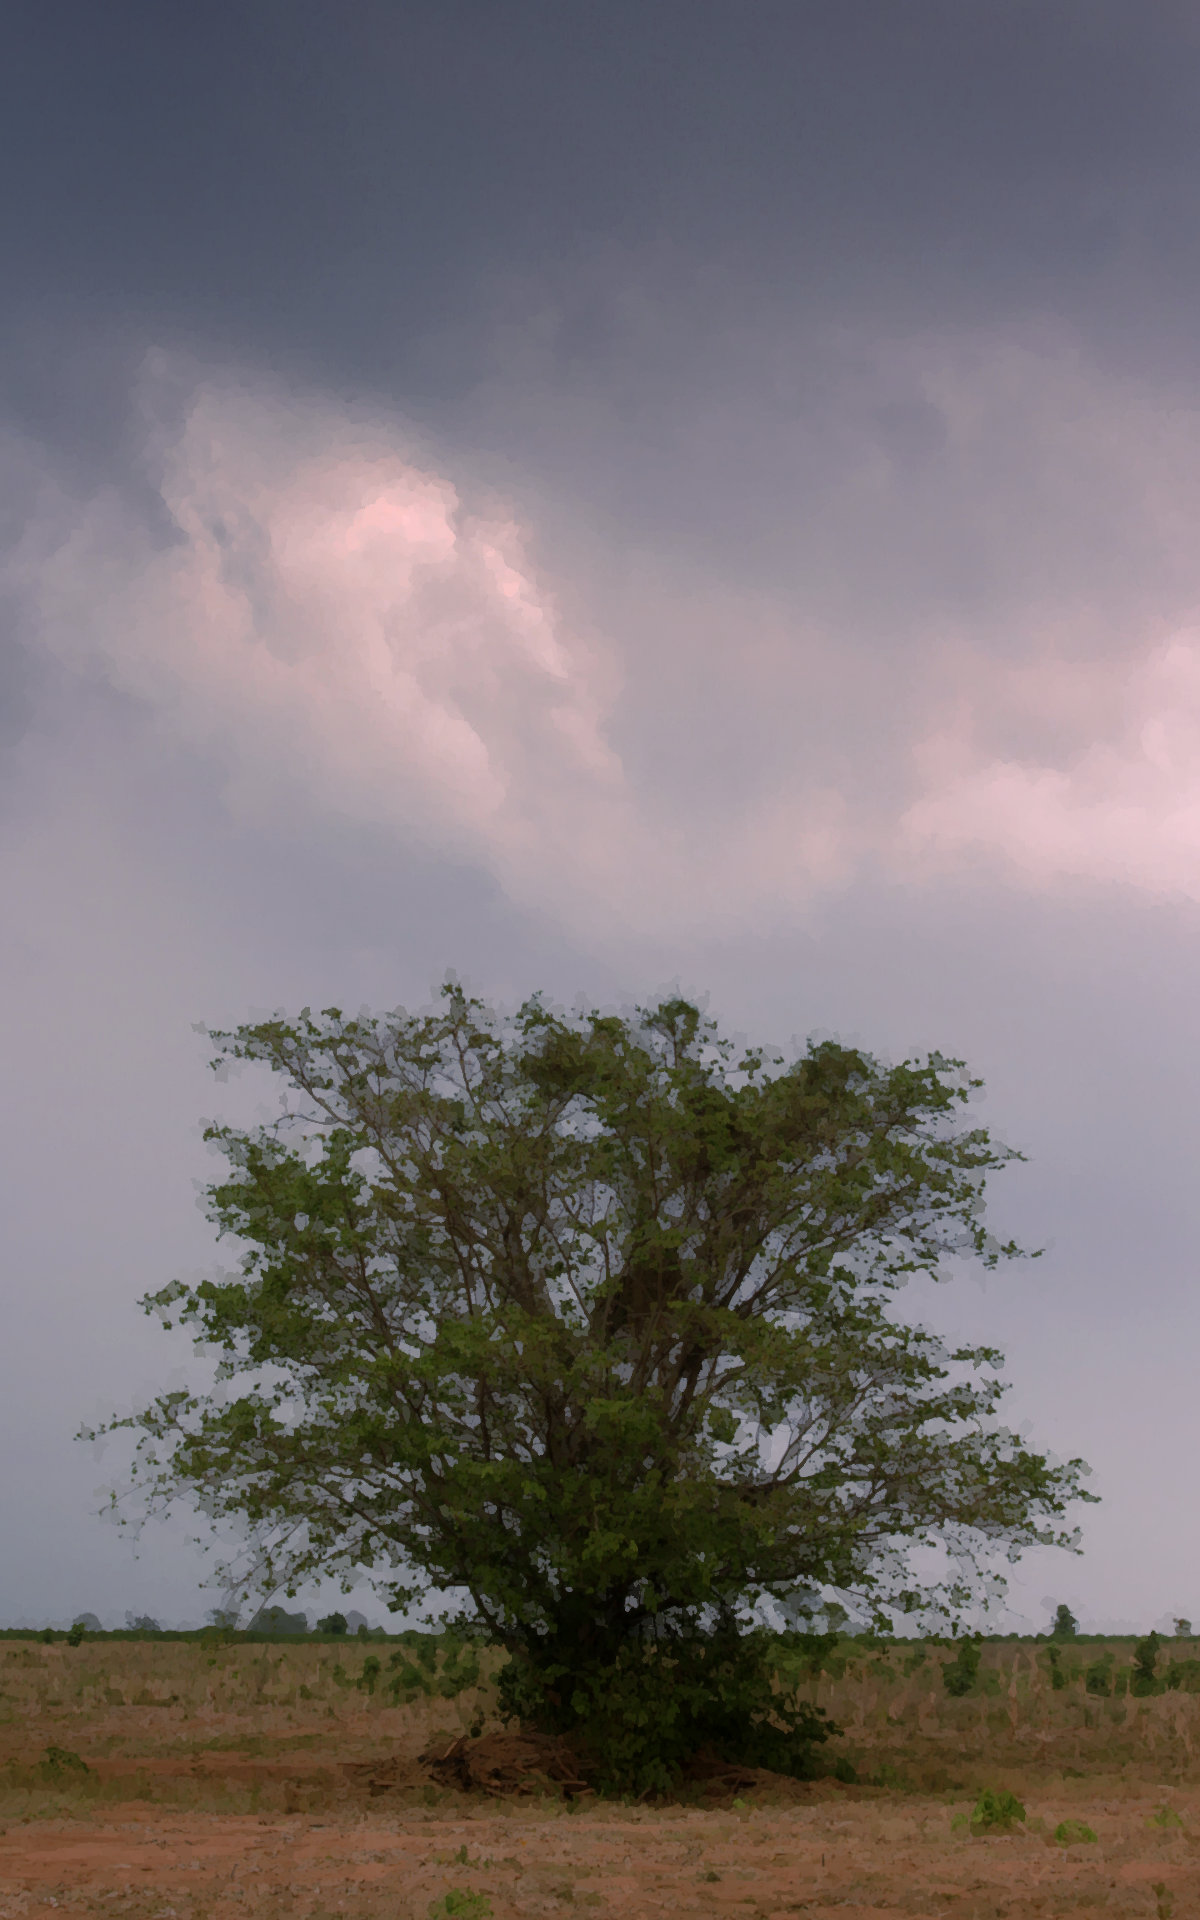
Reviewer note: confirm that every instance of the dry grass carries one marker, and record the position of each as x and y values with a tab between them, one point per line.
215	1788
228	1729
243	1726
901	1723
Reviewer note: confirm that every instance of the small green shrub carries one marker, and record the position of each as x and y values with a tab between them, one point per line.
1073	1833
960	1675
60	1764
461	1904
1098	1677
1142	1680
370	1674
1058	1678
887	1774
412	1680
996	1812
333	1623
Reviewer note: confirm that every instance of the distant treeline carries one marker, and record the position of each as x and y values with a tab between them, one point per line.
413	1636
209	1635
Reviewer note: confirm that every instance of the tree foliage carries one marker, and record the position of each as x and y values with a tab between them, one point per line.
1065	1626
591	1322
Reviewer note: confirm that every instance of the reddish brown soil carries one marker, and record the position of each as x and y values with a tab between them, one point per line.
861	1852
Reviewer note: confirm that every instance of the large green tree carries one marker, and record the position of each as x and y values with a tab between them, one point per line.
590	1322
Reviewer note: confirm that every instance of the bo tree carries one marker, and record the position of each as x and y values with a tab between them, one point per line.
589	1323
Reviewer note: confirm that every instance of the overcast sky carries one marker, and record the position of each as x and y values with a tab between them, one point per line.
592	497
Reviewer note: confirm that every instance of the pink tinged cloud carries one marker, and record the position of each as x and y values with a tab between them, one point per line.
341	631
1125	808
339	628
345	633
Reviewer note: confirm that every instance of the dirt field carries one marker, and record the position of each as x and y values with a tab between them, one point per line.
220	1782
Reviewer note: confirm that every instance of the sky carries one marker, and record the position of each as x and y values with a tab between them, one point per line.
603	498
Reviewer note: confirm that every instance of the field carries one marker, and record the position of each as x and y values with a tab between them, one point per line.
184	1780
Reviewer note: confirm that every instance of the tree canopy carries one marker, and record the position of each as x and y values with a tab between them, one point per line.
590	1322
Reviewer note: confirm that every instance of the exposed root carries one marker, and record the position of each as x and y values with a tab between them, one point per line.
512	1765
503	1764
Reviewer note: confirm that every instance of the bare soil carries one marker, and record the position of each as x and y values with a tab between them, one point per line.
862	1852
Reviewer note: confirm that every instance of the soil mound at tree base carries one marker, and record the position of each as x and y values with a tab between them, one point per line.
507	1765
498	1764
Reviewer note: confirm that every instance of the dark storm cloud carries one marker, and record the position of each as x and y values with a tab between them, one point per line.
338	183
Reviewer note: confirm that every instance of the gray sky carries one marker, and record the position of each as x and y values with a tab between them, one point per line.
594	497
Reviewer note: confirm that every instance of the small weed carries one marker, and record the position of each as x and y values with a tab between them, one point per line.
1166	1817
1165	1906
59	1764
461	1904
710	1873
996	1812
885	1775
1073	1833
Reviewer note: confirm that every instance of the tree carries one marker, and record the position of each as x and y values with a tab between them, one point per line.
590	1322
333	1623
1066	1626
278	1620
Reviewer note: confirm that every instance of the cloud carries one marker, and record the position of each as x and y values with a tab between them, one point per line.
333	622
983	653
1125	808
343	631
